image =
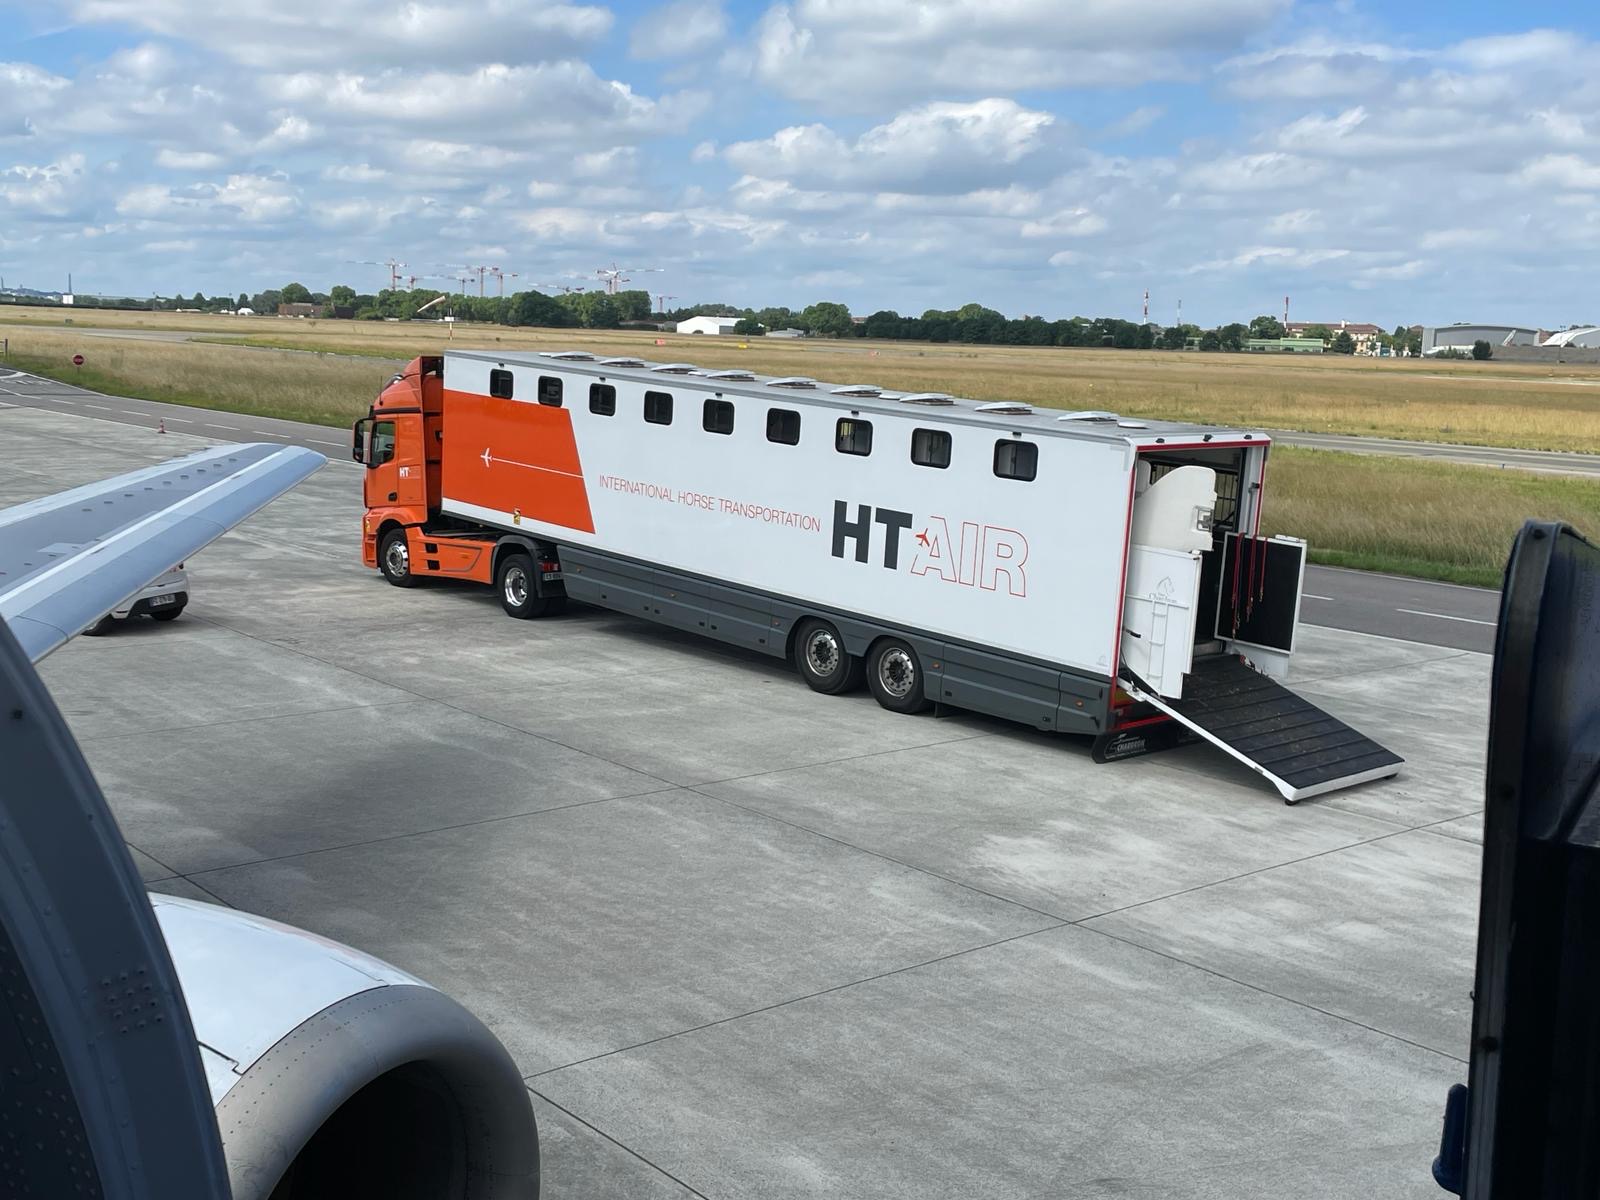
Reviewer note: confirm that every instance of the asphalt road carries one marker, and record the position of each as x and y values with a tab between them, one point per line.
1439	614
1548	461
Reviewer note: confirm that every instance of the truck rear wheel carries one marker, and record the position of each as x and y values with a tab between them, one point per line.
394	559
514	580
822	660
894	676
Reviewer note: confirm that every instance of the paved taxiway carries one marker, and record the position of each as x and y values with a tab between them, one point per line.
744	940
1438	613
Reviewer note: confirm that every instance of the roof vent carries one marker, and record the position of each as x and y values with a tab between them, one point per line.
567	355
1088	415
621	362
792	381
858	389
1007	407
736	376
1132	425
674	368
926	398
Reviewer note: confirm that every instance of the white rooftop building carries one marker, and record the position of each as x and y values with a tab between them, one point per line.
708	325
1586	337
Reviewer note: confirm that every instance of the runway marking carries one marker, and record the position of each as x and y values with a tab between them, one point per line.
101	407
224	428
1444	616
320	442
265	433
1314	596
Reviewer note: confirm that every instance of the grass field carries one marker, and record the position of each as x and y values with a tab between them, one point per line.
1402	515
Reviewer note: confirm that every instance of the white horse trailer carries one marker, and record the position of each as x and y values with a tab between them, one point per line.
1077	571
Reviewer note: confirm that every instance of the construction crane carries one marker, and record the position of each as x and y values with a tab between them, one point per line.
616	276
500	278
393	266
565	289
661	304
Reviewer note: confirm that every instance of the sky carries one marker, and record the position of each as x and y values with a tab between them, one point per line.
1422	163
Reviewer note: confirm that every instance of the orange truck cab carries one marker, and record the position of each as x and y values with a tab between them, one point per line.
405	535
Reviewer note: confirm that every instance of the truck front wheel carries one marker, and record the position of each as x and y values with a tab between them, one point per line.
519	595
394	559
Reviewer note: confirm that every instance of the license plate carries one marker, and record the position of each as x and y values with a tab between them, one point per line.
158	601
549	575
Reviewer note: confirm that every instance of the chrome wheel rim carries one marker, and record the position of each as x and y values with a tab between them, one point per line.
897	672
822	652
516	587
396	558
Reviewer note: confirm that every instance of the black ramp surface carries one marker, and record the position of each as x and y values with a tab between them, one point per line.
1266	723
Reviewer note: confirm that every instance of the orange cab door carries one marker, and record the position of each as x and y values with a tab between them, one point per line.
395	474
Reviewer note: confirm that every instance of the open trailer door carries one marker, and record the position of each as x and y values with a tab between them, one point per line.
1208	628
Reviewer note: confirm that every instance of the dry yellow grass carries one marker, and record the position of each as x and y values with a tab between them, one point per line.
1403	515
1533	406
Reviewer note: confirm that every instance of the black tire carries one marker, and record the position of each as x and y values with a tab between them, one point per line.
516	584
822	660
101	627
171	613
394	559
894	677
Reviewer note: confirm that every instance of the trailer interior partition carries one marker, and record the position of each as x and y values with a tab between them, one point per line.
1081	572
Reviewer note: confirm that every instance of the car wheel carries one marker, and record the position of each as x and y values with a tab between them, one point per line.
822	660
894	676
394	559
101	627
514	581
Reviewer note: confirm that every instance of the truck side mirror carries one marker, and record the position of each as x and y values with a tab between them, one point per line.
358	440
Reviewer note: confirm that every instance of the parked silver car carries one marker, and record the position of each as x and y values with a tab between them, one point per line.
162	599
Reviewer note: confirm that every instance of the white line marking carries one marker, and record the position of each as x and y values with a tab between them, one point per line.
1314	596
224	428
1444	616
320	442
101	407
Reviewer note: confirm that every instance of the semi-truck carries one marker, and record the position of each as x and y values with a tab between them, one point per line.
1080	572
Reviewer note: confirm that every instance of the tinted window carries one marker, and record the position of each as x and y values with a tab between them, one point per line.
853	436
930	447
783	425
603	399
1016	460
382	442
718	416
658	408
550	391
500	384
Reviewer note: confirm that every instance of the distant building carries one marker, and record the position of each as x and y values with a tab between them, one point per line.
1585	337
299	310
1438	338
1286	345
1364	335
708	325
786	333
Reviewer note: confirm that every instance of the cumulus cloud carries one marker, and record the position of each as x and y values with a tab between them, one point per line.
852	55
939	147
269	34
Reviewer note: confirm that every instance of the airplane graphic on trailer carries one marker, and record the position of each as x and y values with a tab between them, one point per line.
980	558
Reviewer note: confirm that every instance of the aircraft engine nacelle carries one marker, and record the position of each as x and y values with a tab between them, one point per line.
335	1074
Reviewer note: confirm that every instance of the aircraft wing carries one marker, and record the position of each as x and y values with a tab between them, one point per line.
67	560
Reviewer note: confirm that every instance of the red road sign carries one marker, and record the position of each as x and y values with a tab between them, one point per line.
77	360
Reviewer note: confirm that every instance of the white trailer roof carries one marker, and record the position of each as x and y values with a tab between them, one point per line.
862	398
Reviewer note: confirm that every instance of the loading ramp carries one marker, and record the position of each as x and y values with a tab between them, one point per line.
1302	750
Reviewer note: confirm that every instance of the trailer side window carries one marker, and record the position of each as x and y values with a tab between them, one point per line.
783	426
852	436
500	384
717	416
930	447
1016	460
658	408
550	391
603	399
